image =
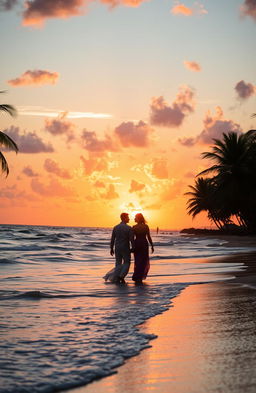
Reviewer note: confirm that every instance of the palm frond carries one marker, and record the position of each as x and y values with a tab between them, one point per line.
7	142
213	168
4	164
8	109
251	133
212	156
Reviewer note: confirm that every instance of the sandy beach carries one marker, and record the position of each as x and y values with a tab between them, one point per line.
206	342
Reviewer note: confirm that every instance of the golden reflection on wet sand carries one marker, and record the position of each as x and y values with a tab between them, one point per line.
206	343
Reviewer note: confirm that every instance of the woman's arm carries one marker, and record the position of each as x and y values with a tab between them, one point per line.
150	240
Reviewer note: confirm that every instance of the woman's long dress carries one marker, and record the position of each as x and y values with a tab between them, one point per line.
113	275
141	253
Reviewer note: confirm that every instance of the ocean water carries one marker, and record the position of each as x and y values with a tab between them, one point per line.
61	325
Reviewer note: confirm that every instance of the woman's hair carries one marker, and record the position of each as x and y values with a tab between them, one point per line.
140	218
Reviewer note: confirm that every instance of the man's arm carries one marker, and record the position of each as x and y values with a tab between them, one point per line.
112	242
131	239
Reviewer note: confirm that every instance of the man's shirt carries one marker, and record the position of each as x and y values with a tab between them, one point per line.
122	236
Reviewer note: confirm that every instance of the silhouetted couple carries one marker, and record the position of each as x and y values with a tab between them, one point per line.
124	241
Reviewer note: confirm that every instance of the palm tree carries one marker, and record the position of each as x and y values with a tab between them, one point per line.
204	198
5	140
234	176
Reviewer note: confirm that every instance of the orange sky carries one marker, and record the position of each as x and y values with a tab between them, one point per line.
117	104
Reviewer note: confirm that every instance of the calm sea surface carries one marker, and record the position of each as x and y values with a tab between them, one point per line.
61	325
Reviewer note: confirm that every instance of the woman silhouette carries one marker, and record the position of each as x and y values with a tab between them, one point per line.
141	254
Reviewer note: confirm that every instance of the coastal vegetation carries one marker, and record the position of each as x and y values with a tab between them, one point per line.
5	141
227	189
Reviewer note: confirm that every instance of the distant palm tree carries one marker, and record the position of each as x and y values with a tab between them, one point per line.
5	140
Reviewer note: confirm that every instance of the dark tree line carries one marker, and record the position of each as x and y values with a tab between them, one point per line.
227	189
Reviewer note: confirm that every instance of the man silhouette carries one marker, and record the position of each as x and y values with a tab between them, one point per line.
122	244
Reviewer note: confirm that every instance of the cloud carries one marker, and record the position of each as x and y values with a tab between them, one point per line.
60	113
172	115
28	142
154	206
60	127
187	141
7	5
159	168
190	174
52	166
136	186
99	184
131	134
127	3
97	146
35	78
110	193
168	191
37	11
28	171
214	127
181	9
173	190
192	66
245	90
92	165
11	196
249	8
53	189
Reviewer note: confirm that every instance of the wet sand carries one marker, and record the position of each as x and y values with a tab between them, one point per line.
206	342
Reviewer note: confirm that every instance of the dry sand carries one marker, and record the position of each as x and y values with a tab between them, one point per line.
206	343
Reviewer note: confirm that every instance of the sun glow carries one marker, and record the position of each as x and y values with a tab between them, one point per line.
132	209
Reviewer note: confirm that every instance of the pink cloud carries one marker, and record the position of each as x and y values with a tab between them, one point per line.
60	127
52	166
7	5
187	141
136	186
110	193
35	78
131	134
159	168
245	90
214	127
11	196
97	146
28	171
28	142
192	66
92	165
181	9
53	189
249	8
38	11
172	115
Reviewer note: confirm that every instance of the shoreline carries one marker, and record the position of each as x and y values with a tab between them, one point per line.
148	369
